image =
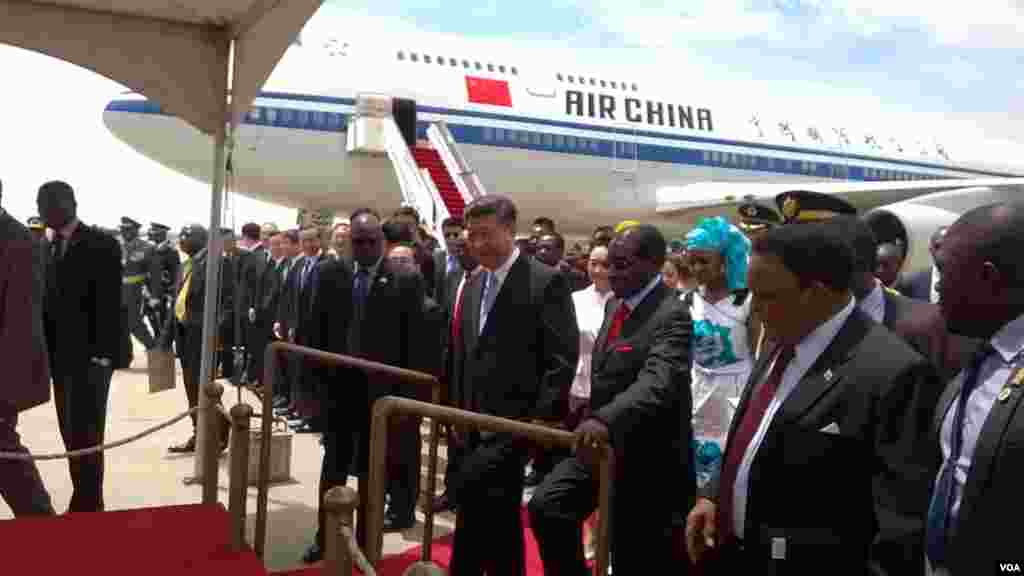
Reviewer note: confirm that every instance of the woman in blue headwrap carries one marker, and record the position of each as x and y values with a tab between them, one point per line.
723	331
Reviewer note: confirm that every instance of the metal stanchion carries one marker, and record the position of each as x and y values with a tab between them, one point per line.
241	415
340	504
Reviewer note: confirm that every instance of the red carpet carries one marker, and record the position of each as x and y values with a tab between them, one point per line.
442	554
172	540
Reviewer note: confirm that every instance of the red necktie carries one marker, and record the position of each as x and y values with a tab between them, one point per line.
621	313
457	320
738	444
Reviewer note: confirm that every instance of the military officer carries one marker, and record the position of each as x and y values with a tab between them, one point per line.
757	216
806	206
137	258
166	269
37	227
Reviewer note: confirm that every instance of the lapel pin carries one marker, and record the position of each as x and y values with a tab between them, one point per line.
1004	394
1018	377
828	375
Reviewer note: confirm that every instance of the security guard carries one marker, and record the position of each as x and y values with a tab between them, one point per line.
757	216
806	206
140	281
167	262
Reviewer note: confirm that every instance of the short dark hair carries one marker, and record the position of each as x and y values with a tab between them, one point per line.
493	205
811	251
407	211
452	221
252	231
58	189
544	222
363	211
397	232
861	238
650	242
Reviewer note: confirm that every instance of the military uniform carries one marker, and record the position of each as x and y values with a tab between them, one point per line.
756	216
806	206
139	280
167	261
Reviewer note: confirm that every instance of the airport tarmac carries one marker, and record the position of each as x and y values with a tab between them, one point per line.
143	474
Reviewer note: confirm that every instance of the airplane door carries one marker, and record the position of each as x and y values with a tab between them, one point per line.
625	163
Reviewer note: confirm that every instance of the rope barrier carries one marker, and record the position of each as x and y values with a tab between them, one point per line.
357	555
101	447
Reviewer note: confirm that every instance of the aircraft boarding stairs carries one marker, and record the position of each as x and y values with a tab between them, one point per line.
432	175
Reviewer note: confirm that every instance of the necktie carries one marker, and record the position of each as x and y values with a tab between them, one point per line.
490	293
457	315
180	303
738	444
305	273
615	330
942	497
362	289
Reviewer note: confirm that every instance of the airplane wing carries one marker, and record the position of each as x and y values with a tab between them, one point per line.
711	196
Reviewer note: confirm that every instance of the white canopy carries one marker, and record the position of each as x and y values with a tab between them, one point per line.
175	53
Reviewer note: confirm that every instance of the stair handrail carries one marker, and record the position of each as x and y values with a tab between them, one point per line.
415	190
439	212
466	179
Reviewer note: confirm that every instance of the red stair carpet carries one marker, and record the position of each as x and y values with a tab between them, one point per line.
442	555
430	159
166	541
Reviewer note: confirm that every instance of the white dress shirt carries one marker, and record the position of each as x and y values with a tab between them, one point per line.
590	307
806	354
934	292
633	301
874	303
992	376
499	276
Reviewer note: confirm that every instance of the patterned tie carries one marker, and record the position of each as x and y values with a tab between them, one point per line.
490	294
738	444
942	497
615	330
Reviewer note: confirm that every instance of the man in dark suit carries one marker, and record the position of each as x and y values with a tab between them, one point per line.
287	316
641	405
304	394
446	261
828	428
26	363
83	307
253	259
979	426
382	308
921	284
514	356
167	262
185	325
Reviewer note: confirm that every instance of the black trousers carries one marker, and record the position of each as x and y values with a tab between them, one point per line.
190	353
404	465
489	489
131	316
568	496
340	441
21	486
80	395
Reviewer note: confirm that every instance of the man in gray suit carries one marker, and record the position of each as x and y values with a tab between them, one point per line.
26	365
976	500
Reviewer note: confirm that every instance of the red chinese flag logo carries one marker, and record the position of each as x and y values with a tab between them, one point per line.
487	91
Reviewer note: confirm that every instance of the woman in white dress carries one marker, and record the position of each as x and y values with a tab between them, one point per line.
723	330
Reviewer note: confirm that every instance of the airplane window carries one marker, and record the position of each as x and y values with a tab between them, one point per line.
401	55
535	138
524	137
514	71
501	69
302	117
453	62
414	57
559	141
570	142
499	134
286	115
706	156
490	67
271	115
426	59
594	145
547	140
488	133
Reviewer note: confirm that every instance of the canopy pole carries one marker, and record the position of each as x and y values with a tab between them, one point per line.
207	445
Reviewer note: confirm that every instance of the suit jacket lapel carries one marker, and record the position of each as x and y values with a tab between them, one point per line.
639	316
515	285
828	369
601	343
472	293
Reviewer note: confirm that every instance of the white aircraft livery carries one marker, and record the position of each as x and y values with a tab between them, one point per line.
582	148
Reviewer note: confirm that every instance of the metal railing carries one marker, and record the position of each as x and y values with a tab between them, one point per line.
466	179
273	354
385	408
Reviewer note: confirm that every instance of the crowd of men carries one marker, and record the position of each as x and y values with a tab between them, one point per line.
871	432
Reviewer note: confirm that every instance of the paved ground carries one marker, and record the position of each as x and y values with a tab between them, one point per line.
143	474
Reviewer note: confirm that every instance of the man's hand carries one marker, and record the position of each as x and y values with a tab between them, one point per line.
701	529
277	330
591	434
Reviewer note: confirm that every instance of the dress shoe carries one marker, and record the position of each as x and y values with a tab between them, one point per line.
313	554
442	504
396	523
187	447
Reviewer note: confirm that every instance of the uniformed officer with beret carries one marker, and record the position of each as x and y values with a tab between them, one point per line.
757	216
140	275
167	261
807	206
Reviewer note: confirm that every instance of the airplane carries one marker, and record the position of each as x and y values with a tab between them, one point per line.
586	148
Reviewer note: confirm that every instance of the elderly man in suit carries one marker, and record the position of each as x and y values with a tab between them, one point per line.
641	405
83	305
824	428
979	425
514	355
26	363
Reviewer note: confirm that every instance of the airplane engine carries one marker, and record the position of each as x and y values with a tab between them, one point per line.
914	221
